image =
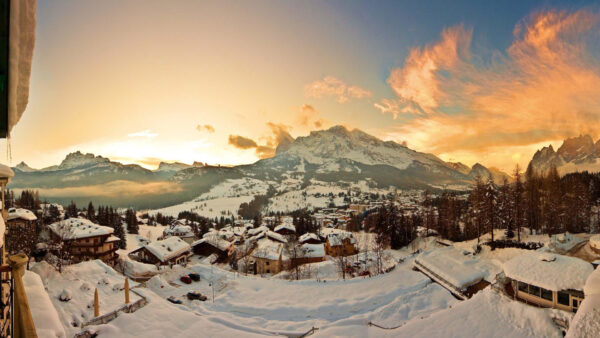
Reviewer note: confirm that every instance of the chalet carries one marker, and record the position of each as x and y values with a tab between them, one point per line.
213	245
308	253
455	270
268	257
86	240
340	244
169	251
20	230
20	217
180	230
285	229
309	238
548	280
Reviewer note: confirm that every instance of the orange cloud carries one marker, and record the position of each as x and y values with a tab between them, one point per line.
279	136
308	116
545	87
330	86
207	127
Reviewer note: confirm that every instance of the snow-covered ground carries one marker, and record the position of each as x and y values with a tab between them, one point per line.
78	282
248	306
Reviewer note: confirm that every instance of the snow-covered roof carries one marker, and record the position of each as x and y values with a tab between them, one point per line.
75	228
14	213
286	226
215	241
308	236
112	238
453	266
255	231
178	229
275	236
549	271
313	250
268	249
168	248
336	239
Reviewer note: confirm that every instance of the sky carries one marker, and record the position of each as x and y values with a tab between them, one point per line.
224	82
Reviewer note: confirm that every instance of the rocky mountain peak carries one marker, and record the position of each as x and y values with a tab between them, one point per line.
576	148
22	166
78	159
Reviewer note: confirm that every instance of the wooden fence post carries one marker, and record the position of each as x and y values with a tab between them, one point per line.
126	290
96	305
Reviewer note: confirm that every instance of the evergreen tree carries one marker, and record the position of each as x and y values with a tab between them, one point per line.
91	212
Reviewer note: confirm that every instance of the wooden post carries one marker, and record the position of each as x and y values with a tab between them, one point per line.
126	290
96	305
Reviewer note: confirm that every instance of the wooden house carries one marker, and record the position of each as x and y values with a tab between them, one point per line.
340	244
169	251
213	245
85	240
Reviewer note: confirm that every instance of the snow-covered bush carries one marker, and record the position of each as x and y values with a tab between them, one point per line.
65	295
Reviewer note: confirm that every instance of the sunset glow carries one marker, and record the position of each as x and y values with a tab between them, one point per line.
174	83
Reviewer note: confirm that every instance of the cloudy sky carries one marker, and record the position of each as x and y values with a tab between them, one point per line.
225	82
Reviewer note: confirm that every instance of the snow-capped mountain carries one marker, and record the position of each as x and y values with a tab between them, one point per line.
22	166
575	154
355	145
334	157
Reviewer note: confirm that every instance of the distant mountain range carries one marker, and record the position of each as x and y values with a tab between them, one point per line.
575	154
335	155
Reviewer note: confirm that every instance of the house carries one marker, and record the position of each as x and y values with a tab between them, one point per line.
461	274
308	253
85	240
309	238
340	244
20	217
20	230
169	251
213	245
285	229
268	257
548	280
180	230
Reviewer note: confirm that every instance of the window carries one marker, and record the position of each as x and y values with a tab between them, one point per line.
266	263
563	298
534	290
547	294
523	287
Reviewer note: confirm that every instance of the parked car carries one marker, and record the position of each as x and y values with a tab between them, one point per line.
196	295
174	300
194	276
186	279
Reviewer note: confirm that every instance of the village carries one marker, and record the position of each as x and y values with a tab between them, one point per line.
323	245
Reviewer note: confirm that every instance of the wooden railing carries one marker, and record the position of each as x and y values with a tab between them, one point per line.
19	322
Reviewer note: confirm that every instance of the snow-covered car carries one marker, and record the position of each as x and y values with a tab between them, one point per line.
174	300
192	295
194	276
185	279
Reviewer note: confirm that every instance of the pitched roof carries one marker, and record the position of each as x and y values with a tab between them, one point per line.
76	228
14	213
167	248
